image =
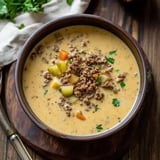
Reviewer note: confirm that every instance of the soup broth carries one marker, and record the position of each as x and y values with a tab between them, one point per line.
81	80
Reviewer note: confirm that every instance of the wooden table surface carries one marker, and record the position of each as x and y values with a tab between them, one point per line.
143	22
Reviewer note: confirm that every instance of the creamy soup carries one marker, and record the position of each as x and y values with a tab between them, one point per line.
81	80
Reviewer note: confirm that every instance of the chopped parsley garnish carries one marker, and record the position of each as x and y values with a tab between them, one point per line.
112	52
69	2
96	108
99	127
45	92
115	102
122	84
3	9
9	9
110	60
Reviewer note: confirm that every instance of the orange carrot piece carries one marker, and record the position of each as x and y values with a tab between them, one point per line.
80	116
63	55
95	76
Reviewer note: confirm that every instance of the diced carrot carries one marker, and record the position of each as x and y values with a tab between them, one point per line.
95	76
80	116
63	55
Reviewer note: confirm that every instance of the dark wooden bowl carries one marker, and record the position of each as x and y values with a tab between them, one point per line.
113	142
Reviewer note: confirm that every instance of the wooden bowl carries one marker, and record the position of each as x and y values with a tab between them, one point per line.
114	141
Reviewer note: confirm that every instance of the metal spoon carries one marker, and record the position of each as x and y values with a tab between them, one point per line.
10	132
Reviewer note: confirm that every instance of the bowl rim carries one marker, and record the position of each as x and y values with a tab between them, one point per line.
70	20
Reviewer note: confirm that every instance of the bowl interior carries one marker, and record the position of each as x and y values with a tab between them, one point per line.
80	20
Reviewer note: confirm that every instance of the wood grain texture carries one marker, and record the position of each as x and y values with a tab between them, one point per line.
144	25
3	141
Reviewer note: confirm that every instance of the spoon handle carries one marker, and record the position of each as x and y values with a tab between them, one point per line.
13	137
20	148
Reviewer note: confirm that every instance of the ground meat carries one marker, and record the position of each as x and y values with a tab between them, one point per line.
86	101
58	37
99	95
39	49
84	43
72	48
66	106
56	48
65	77
47	77
108	69
108	85
37	52
33	55
86	86
89	68
121	77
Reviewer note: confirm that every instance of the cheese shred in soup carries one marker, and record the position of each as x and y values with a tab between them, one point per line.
81	80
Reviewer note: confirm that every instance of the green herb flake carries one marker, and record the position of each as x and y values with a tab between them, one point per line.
110	60
9	9
69	2
122	84
70	60
99	127
45	92
117	70
115	102
83	52
96	108
112	52
3	9
21	26
99	79
34	6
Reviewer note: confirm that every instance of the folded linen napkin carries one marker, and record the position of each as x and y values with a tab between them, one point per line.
12	38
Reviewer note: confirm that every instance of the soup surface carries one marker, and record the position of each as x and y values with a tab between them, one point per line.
81	80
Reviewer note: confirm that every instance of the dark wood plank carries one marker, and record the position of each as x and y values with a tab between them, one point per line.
3	141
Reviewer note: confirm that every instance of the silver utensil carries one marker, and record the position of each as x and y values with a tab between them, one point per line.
10	131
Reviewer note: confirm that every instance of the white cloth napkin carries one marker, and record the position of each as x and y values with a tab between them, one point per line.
12	38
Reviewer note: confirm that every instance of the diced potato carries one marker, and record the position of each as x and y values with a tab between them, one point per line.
66	90
73	79
55	83
54	70
62	65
